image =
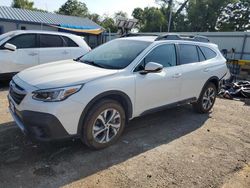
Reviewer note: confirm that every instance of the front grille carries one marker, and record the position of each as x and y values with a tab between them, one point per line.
16	92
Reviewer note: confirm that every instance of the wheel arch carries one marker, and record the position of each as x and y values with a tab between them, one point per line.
116	95
215	80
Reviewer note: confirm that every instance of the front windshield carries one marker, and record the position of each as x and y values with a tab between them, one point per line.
5	35
116	54
2	38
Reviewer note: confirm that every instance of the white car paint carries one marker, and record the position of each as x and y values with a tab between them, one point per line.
145	92
22	58
62	73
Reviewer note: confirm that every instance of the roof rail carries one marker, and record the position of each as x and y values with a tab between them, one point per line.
171	36
138	35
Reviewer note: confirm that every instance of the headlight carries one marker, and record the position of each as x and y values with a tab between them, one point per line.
57	94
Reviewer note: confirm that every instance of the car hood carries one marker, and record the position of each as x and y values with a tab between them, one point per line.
62	73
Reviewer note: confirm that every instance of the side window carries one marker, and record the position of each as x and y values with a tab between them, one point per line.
50	41
188	54
24	41
201	55
164	54
1	29
68	42
209	54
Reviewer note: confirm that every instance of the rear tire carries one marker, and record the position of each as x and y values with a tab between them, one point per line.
104	124
207	99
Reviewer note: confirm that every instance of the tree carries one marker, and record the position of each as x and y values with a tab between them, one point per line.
120	14
235	17
74	8
203	14
173	9
138	14
95	18
109	23
25	4
151	19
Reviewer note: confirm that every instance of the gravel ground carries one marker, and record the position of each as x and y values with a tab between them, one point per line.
172	148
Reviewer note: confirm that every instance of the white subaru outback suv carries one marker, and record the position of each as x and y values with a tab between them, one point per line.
95	96
22	49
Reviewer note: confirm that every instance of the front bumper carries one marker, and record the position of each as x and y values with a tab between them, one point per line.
40	126
31	113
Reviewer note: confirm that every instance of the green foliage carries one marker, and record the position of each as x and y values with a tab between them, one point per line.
151	19
74	8
138	14
203	14
25	4
154	20
120	14
95	18
109	23
235	17
195	16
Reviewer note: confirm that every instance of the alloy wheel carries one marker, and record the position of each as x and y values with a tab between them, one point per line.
106	125
208	98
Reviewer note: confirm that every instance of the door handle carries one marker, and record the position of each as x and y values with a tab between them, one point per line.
65	52
177	75
33	54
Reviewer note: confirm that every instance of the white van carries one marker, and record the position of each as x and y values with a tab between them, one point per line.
23	49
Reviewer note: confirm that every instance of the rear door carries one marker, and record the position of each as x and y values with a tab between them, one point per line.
193	66
25	55
52	48
73	48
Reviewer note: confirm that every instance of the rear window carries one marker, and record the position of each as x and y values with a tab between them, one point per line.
68	42
188	54
50	41
209	54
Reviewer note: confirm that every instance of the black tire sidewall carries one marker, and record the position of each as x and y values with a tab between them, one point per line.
93	113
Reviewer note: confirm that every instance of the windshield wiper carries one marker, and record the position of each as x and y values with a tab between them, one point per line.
78	59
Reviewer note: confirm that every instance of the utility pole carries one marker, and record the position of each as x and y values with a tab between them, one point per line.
170	4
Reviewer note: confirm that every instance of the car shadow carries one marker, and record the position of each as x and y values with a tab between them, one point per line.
69	161
4	85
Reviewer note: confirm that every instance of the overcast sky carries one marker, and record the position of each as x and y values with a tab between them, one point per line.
95	6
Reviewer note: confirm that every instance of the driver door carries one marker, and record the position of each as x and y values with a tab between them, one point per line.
158	89
25	56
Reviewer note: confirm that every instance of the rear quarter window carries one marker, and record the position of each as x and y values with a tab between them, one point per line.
208	53
69	42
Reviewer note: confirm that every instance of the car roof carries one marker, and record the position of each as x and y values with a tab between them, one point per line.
140	38
17	32
152	39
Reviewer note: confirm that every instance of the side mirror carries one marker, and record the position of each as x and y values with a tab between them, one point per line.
10	47
152	67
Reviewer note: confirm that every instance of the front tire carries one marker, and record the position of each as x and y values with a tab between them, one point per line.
104	124
207	99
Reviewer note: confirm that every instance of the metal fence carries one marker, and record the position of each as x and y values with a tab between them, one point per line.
235	44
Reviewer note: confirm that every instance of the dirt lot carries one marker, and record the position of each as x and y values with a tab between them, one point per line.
172	148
